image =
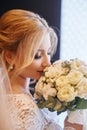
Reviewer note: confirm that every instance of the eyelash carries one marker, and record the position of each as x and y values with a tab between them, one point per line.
39	56
49	53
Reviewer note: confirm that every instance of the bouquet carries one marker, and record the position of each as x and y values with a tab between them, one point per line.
63	86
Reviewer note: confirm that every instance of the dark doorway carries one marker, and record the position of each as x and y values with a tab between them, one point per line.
49	9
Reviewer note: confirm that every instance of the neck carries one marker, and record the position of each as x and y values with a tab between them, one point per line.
19	84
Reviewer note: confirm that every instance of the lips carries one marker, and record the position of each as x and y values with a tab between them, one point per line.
41	72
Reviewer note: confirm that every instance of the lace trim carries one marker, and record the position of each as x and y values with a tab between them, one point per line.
69	128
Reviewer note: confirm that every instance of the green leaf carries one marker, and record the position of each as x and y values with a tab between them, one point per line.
57	106
81	103
72	105
50	103
62	109
40	103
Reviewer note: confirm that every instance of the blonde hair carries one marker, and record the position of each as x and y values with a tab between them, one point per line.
21	32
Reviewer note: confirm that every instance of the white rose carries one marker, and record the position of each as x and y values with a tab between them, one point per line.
61	82
67	93
76	63
60	69
38	91
50	72
39	86
50	80
74	77
82	88
83	69
48	90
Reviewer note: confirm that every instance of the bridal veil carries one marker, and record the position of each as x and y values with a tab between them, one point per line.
6	122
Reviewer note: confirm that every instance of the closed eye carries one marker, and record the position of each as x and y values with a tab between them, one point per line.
40	53
49	53
37	57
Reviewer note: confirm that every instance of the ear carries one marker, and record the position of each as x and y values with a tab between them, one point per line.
9	56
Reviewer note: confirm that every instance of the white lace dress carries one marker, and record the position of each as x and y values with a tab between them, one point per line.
28	116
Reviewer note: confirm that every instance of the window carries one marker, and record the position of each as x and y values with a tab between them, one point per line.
74	29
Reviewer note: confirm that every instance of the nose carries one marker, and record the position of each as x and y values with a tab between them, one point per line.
46	62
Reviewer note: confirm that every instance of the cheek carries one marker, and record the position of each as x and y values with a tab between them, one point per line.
35	64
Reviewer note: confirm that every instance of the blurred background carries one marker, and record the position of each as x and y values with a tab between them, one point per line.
68	18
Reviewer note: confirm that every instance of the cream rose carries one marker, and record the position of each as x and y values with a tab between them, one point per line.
67	93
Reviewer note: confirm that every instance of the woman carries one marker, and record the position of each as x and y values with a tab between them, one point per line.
26	46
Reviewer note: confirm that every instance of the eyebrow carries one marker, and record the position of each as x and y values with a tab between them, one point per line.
40	50
43	50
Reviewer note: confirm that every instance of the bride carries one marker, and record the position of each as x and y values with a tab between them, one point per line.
26	46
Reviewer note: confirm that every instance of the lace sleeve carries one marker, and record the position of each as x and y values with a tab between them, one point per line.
29	117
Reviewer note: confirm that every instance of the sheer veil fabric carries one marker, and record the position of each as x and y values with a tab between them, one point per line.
6	123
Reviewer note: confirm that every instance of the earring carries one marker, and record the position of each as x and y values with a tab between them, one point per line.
11	67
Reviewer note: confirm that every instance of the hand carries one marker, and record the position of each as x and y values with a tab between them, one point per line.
72	126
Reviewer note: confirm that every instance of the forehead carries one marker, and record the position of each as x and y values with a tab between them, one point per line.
46	44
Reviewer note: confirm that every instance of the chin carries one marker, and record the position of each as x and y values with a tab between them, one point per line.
36	77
